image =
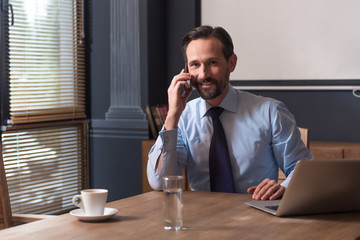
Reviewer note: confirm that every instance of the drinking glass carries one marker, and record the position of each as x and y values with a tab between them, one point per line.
172	202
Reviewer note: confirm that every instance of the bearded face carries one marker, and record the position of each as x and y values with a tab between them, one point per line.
209	69
211	93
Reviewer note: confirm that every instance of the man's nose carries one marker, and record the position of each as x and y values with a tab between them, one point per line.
203	72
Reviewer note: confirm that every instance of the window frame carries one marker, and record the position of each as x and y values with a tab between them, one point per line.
5	120
4	66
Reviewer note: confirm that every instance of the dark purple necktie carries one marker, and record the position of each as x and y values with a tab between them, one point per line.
221	178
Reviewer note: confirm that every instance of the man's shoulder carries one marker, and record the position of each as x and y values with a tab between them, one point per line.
253	99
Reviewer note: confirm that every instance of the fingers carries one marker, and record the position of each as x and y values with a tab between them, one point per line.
278	194
180	79
176	100
187	92
251	190
174	89
267	189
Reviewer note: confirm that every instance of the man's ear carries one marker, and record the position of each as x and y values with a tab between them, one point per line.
232	62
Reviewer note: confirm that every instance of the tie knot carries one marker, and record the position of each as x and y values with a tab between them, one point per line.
215	112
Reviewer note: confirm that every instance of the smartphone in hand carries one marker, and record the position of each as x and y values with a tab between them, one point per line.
188	81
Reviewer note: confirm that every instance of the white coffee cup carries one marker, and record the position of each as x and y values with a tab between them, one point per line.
91	201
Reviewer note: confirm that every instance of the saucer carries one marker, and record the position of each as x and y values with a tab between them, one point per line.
108	213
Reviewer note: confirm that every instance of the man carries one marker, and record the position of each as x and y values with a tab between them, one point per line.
261	134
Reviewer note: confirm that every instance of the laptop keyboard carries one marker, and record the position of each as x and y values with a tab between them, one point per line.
275	208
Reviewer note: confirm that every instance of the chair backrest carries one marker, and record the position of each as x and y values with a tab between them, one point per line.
5	208
304	132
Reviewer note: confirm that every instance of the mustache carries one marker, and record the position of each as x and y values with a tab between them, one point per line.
206	80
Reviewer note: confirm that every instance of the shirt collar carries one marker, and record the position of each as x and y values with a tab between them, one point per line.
229	103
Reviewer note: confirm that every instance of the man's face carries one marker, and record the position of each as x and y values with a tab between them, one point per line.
208	68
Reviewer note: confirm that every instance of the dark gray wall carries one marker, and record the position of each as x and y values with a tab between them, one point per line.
329	115
167	21
157	46
115	163
99	46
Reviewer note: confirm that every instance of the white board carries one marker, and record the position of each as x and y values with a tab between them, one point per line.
290	39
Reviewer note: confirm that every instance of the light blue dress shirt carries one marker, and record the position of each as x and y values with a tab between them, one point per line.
261	134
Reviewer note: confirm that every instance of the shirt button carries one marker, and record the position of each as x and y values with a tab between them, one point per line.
166	139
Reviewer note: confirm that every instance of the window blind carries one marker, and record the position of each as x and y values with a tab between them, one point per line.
44	167
47	69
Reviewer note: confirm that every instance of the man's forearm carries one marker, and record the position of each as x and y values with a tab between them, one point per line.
162	158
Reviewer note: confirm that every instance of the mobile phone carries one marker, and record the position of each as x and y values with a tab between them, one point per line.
186	68
188	81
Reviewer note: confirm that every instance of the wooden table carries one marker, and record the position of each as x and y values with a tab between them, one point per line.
206	216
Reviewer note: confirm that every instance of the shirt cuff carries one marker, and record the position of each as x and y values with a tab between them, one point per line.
286	182
169	139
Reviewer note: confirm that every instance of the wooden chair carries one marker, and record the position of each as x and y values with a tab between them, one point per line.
304	132
5	210
7	219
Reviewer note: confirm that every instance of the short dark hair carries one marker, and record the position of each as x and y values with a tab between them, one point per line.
205	32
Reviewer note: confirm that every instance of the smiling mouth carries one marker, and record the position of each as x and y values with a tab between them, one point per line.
207	84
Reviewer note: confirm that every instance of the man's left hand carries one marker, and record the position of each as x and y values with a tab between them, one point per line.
267	190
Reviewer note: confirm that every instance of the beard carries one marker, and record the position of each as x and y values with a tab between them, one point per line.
208	94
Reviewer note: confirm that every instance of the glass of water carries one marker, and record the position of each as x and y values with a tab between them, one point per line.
172	202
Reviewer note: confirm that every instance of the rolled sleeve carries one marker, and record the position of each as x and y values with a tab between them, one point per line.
287	146
169	138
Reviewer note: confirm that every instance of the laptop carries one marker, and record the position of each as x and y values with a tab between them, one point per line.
316	187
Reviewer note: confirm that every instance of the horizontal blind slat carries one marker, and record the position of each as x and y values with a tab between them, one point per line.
45	45
46	169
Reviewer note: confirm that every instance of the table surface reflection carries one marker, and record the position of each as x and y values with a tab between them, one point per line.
206	215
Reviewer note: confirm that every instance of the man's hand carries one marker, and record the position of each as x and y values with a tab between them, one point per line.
177	101
267	190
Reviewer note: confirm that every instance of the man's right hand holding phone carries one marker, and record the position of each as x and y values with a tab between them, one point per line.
177	99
